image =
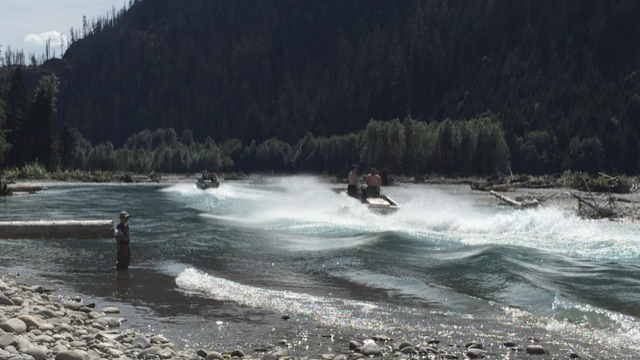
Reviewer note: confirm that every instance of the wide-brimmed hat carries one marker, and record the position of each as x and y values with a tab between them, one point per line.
124	214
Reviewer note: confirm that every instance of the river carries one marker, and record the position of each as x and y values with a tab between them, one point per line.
220	268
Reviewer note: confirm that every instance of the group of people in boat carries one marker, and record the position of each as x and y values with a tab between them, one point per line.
371	187
206	175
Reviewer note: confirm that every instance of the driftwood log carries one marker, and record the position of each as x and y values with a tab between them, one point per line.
499	187
30	188
527	204
57	229
590	209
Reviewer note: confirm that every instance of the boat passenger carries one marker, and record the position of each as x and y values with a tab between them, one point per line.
373	182
352	188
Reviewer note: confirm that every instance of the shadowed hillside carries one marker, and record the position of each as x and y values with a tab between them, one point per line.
561	76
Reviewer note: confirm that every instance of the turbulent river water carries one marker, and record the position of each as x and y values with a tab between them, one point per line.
220	268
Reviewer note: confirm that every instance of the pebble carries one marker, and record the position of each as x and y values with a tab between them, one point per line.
111	310
536	350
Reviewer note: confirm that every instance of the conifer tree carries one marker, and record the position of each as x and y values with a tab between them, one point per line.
43	122
16	117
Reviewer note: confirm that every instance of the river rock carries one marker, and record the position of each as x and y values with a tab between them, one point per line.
36	288
14	325
159	339
150	351
8	339
213	355
23	343
475	353
111	310
36	353
17	300
536	350
73	355
354	344
237	353
370	348
141	343
95	315
408	350
64	328
32	320
72	305
404	344
47	313
108	321
266	357
4	300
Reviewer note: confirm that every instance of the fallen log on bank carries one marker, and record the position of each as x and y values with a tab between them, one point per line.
57	229
500	187
30	188
527	204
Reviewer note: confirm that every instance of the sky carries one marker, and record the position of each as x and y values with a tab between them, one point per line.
28	24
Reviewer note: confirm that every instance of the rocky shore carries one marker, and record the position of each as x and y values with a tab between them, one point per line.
36	323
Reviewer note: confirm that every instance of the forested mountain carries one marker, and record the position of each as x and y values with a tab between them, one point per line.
562	76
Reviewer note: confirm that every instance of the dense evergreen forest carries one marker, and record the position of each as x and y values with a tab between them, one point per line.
417	86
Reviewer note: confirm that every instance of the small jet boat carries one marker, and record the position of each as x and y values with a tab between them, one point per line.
382	205
207	184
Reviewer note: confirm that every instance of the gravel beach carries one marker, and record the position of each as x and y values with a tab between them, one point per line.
36	323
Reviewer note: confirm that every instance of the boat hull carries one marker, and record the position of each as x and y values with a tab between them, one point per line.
207	184
382	205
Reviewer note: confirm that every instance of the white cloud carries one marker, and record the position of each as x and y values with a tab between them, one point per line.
41	39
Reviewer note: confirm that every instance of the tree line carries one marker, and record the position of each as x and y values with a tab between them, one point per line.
28	134
562	76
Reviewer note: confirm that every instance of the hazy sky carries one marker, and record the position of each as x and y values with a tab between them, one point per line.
27	24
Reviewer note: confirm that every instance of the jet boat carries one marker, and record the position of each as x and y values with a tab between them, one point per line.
383	205
207	184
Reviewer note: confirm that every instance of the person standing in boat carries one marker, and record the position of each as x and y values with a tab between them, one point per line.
373	182
352	188
123	238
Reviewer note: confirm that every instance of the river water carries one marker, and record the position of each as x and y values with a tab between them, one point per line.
220	268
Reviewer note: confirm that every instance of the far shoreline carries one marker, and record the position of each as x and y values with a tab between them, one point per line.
625	204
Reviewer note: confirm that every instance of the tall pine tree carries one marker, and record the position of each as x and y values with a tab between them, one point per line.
43	123
17	112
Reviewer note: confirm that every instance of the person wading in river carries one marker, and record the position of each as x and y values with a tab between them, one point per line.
123	238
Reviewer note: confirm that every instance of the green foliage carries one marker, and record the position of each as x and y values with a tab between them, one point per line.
583	181
33	170
586	154
475	146
4	144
